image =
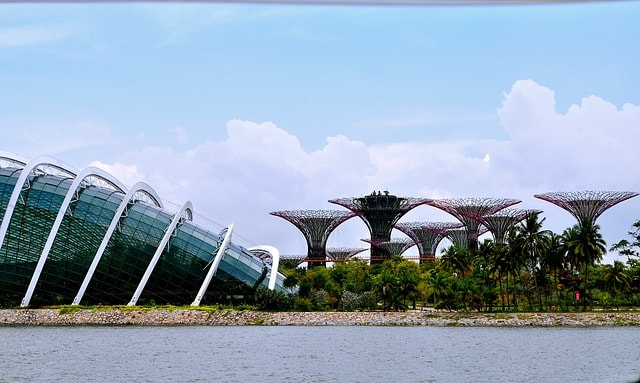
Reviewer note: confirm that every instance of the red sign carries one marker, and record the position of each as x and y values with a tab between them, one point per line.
577	295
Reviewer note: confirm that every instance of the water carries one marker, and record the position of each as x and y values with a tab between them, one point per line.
319	354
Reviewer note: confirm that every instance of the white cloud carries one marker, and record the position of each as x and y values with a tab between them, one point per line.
582	149
127	174
261	168
180	135
32	35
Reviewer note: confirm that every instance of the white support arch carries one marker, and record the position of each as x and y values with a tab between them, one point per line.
139	187
71	194
187	209
30	167
275	262
12	158
214	266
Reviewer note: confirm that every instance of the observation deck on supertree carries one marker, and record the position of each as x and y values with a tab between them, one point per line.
499	223
585	205
316	226
343	254
395	246
380	212
470	211
427	236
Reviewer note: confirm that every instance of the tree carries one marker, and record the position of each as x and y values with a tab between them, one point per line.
585	247
457	260
616	279
554	260
630	249
440	284
532	242
408	275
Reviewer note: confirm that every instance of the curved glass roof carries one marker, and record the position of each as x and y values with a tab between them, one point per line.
176	278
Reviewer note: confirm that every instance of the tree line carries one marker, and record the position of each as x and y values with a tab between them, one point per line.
534	270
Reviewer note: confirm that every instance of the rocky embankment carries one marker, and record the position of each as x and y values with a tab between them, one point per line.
201	317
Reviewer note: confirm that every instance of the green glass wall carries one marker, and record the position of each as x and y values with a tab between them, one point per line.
175	279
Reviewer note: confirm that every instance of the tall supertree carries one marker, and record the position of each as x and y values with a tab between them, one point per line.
316	226
427	236
470	211
343	254
380	212
499	223
585	205
395	246
460	236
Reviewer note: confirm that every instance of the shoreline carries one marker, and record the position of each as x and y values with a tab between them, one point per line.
223	317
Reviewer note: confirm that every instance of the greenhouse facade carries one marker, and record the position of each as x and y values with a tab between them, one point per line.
81	237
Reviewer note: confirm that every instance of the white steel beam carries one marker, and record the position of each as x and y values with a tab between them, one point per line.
275	262
22	179
186	208
71	193
214	266
139	187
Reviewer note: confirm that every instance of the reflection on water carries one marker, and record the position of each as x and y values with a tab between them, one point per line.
319	354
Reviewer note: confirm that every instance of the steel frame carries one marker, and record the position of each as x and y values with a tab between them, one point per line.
470	212
185	213
427	235
587	204
79	182
316	226
380	212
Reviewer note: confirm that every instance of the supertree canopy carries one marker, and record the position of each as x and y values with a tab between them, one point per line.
291	261
470	211
380	212
460	236
343	254
316	226
427	235
395	246
499	223
586	204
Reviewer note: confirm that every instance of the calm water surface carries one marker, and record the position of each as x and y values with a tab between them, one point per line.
318	354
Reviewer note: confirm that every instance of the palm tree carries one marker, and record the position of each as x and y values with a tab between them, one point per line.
407	274
500	262
554	259
616	278
514	261
457	260
440	284
585	247
532	243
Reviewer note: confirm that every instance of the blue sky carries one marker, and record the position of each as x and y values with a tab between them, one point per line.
246	109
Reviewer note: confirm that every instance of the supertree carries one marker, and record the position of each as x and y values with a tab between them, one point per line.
395	246
343	254
586	205
499	223
460	236
470	211
291	261
316	226
427	235
380	212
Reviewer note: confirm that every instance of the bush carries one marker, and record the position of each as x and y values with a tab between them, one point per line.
350	301
272	300
302	304
319	300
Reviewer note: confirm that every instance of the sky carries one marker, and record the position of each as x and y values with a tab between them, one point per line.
245	109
